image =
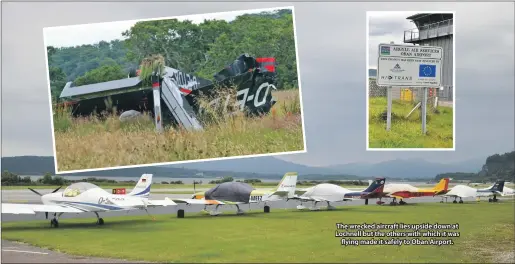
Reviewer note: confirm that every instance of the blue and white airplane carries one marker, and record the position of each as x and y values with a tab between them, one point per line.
84	197
463	191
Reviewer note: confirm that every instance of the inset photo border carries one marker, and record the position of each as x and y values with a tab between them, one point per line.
410	80
173	90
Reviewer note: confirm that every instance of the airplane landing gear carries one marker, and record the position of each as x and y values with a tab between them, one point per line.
266	209
55	221
379	202
461	201
100	221
215	212
401	202
314	207
239	211
394	201
330	207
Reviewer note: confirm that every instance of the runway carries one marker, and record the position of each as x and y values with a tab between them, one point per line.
13	252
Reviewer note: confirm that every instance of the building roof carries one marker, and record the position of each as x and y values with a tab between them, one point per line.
416	16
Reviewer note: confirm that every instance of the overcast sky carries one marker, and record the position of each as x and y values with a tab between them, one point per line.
66	36
385	27
332	60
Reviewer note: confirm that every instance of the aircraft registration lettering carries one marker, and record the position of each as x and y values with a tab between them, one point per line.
256	198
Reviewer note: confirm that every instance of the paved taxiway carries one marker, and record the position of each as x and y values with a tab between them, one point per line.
13	252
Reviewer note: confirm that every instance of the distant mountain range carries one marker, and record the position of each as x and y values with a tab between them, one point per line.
262	167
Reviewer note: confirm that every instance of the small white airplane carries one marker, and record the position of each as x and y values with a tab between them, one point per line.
84	197
326	192
463	191
238	193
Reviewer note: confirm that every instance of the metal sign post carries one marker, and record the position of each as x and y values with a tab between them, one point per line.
389	110
424	109
408	66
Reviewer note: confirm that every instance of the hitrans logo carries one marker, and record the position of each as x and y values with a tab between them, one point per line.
396	78
396	68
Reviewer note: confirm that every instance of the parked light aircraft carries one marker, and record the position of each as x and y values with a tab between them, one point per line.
326	192
235	193
404	191
83	197
463	191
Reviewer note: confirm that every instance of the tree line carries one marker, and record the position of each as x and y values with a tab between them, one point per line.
201	49
496	167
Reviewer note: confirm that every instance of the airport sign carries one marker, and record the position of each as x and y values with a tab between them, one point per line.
412	66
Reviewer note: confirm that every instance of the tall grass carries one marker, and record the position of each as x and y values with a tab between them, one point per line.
406	132
105	141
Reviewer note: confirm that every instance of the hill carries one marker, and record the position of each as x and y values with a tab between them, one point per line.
272	167
495	167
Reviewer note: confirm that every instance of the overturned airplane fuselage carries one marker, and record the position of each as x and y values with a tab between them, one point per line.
253	80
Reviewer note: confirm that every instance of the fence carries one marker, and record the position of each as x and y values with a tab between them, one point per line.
433	30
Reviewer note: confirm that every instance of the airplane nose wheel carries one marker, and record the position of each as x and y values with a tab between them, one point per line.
54	223
100	221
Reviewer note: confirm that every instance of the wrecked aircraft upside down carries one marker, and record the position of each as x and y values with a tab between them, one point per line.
253	79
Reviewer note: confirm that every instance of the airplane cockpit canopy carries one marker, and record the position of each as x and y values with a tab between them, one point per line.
78	188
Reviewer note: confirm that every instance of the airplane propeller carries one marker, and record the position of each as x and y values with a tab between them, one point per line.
38	193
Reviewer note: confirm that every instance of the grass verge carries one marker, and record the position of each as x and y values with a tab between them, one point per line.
486	232
83	143
406	132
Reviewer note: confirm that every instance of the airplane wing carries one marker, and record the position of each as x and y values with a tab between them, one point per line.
202	201
12	208
300	192
136	202
156	203
319	199
461	191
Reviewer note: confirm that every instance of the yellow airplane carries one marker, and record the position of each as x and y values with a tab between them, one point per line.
402	191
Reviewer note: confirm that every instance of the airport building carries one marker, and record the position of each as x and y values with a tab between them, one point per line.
435	30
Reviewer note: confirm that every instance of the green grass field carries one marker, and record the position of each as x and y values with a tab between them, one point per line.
407	132
486	235
83	143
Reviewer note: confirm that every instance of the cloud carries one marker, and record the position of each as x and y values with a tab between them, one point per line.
76	35
332	60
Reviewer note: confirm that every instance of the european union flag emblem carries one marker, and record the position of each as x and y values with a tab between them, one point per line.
426	70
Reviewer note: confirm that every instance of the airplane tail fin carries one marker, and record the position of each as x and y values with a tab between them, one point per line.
287	185
498	186
142	188
442	186
375	186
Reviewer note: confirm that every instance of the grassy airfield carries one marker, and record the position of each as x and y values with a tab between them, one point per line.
486	235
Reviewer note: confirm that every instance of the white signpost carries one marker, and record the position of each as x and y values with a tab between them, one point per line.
408	66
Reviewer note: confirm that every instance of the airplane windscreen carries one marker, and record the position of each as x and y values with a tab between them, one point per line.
78	188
